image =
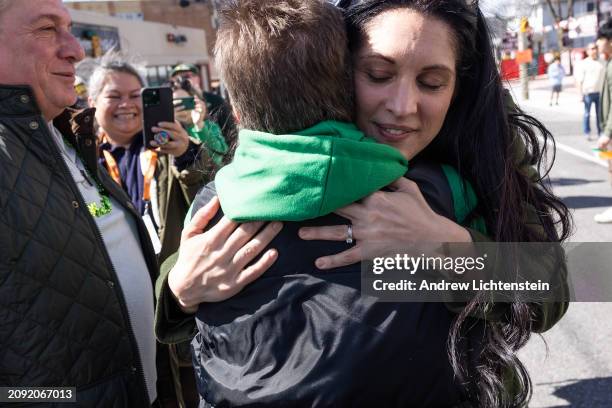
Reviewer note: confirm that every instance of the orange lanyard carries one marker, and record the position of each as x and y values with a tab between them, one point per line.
150	158
148	172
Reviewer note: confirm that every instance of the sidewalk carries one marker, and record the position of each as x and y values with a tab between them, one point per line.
540	89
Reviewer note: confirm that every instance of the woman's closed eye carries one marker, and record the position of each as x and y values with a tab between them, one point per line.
434	86
432	82
378	77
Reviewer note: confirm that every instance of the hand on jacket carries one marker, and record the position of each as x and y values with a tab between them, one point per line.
178	138
211	265
385	219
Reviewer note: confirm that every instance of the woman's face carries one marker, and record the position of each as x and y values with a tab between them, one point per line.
119	107
404	79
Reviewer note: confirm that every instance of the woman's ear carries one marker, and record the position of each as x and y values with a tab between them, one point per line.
91	102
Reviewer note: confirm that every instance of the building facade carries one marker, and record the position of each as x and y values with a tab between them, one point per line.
159	32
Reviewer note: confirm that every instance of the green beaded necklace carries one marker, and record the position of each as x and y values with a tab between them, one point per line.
105	206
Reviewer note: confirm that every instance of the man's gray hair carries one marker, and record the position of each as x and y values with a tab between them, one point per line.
112	61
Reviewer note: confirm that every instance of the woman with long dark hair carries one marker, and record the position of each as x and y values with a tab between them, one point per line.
426	83
493	144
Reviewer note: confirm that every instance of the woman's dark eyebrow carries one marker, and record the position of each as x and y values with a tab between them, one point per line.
438	67
376	55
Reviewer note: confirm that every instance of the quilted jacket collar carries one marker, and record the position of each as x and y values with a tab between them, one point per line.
17	100
76	125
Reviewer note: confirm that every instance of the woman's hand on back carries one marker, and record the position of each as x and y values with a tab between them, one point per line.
212	265
384	220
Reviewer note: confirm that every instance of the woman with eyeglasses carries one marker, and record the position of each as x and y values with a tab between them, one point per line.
426	83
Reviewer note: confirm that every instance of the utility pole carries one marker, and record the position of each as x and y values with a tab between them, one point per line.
523	66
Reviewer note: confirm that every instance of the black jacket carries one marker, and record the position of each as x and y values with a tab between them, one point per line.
302	337
64	321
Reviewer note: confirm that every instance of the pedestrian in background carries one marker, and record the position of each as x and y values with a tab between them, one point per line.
555	73
589	78
192	112
218	110
604	45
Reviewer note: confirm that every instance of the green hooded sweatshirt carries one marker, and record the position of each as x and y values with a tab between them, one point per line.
304	175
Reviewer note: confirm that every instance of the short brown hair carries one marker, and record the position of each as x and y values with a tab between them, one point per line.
285	63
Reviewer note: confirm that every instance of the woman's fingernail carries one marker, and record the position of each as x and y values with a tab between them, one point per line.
303	233
277	226
320	263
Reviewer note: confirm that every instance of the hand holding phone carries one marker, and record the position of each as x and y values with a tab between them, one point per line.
170	138
183	104
157	107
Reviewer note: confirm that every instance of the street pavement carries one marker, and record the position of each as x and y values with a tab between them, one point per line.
571	364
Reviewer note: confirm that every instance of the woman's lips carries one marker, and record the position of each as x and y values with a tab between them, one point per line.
393	133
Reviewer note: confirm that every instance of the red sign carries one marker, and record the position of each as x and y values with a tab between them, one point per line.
524	57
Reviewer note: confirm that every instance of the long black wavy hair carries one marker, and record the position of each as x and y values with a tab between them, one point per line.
493	144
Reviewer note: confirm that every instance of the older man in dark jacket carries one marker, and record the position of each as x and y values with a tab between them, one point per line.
76	264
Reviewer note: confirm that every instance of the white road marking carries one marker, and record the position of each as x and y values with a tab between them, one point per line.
578	153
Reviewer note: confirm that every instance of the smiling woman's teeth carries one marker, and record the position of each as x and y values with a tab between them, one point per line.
394	131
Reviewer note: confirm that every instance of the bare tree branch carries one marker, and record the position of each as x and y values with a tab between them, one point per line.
552	10
570	8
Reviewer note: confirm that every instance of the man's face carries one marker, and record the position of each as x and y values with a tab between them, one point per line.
37	49
603	46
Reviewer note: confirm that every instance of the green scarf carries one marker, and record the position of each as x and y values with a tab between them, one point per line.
305	175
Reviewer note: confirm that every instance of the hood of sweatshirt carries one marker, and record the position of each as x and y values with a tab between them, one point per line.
304	175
